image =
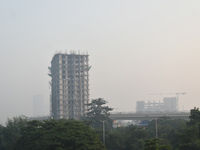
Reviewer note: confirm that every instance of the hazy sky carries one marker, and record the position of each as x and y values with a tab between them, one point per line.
136	47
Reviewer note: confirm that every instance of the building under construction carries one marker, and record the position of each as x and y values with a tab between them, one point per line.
169	104
69	85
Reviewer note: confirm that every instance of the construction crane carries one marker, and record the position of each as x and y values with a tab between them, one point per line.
177	94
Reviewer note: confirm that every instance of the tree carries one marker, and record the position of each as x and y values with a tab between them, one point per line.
155	144
58	135
126	138
116	139
134	137
12	131
194	116
97	113
168	130
2	142
190	137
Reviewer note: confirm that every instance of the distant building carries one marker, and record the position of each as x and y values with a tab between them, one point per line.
140	106
38	105
69	85
169	104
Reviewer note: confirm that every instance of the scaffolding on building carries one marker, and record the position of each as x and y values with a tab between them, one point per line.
70	85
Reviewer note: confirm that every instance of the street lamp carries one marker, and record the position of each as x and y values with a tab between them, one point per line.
156	126
103	132
156	129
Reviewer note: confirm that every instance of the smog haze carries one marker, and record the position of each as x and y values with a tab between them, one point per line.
135	48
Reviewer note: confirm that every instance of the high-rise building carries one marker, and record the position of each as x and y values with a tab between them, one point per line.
38	105
69	85
170	104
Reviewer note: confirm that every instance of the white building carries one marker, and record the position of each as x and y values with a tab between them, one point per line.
169	104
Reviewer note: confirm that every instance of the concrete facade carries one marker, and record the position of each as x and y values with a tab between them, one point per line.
69	85
169	104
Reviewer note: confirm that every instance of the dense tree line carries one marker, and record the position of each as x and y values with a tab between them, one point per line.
173	134
49	135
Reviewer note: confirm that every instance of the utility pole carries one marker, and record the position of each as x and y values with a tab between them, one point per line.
103	132
156	129
156	126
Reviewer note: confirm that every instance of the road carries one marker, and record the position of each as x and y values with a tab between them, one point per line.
148	116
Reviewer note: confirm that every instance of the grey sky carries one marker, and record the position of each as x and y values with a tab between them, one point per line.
136	47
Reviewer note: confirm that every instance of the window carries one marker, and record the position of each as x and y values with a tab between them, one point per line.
63	76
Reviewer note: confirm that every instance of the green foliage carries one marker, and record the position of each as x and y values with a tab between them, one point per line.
155	144
168	130
193	145
177	134
58	135
115	139
11	133
134	137
97	113
2	142
166	127
194	116
126	138
188	139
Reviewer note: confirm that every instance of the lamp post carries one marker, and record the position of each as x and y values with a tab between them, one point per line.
156	126
103	132
156	129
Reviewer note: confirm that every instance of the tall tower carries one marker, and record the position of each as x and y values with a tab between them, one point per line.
69	85
38	105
